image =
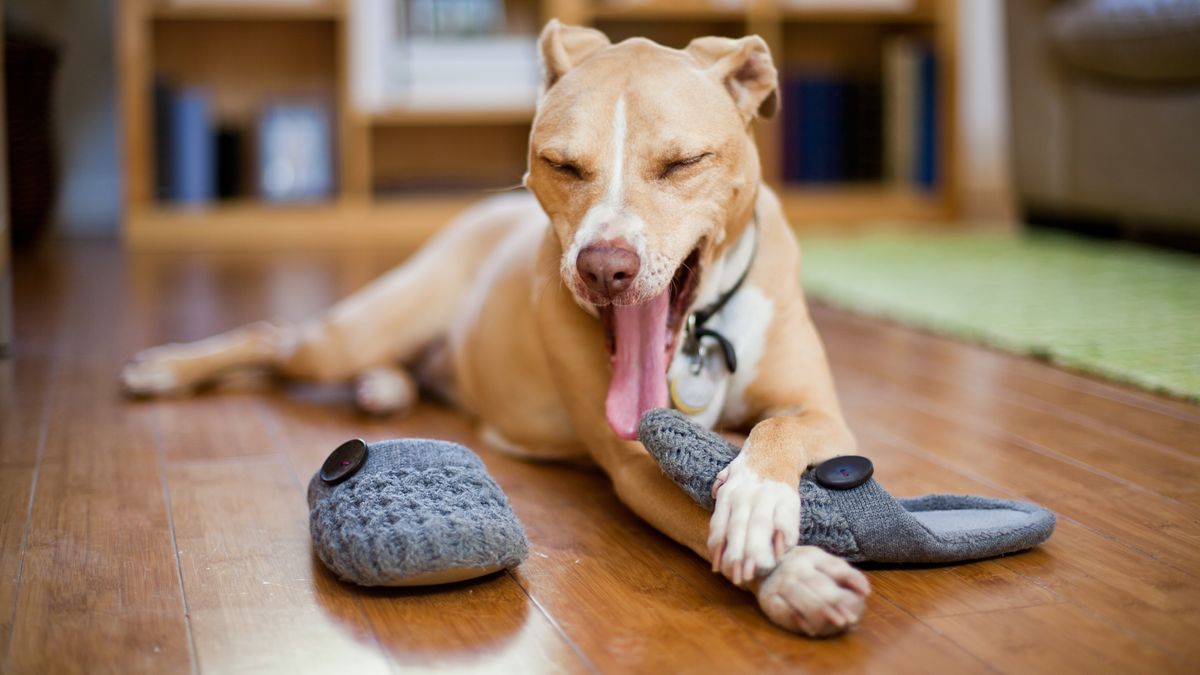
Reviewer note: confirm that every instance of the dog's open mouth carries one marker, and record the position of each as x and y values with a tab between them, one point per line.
641	340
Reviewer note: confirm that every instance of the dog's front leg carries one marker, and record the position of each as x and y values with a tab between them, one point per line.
809	591
641	485
757	514
755	528
756	521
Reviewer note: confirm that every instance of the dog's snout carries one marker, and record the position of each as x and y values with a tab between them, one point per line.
608	268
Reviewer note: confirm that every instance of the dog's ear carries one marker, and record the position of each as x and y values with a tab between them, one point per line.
563	47
744	66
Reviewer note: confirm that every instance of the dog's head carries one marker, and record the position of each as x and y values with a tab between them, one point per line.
644	159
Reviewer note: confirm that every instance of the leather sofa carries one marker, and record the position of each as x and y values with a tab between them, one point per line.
1105	114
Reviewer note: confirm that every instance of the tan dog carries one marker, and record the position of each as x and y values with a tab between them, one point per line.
557	322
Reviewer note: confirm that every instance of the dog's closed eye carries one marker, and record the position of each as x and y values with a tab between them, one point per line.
675	166
565	168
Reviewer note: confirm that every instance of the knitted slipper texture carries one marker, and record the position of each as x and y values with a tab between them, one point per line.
416	507
865	522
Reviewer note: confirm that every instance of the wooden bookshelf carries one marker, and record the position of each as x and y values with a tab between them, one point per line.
436	118
270	48
247	11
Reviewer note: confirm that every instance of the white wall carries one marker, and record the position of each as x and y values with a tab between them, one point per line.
85	108
983	109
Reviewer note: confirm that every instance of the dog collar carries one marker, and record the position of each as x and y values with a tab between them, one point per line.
696	331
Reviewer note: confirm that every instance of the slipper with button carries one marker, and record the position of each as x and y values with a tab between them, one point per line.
847	513
411	512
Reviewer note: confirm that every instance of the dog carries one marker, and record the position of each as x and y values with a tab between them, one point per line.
646	265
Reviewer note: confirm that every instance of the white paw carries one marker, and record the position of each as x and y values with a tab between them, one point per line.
814	593
754	521
384	391
150	373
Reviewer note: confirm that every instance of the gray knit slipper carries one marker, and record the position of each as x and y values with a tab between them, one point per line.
847	513
411	512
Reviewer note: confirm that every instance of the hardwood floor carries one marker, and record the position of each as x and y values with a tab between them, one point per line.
172	536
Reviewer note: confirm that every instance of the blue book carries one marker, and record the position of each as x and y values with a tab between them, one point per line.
926	169
163	95
822	115
192	156
791	119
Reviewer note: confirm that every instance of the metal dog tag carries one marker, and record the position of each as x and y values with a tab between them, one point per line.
693	390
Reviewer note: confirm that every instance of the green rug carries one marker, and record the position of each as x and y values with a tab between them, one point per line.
1119	310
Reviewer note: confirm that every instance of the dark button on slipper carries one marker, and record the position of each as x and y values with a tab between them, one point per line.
411	512
849	514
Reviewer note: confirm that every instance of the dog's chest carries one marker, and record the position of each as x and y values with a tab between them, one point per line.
714	395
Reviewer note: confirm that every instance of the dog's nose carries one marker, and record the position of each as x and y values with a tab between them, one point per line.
608	268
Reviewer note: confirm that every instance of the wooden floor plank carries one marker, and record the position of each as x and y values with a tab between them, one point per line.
16	485
1159	527
590	557
1116	588
889	634
99	589
213	427
24	386
488	625
1134	593
572	529
1054	639
1155	418
491	624
987	406
249	576
593	558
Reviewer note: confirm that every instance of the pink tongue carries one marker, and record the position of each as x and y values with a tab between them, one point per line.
639	380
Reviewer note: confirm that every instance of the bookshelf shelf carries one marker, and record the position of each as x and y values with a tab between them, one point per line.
248	11
452	117
668	11
915	16
400	222
269	48
815	206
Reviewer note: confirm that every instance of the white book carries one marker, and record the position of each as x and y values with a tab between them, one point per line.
505	59
487	97
373	28
473	72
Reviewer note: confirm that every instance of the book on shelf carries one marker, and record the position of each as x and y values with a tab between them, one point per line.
295	152
832	129
840	128
900	106
161	95
198	160
864	130
926	172
185	159
231	161
911	91
814	108
441	55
